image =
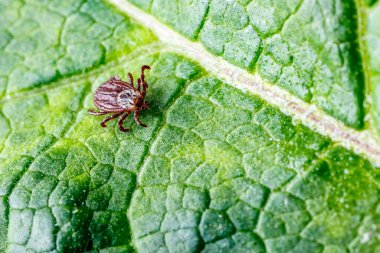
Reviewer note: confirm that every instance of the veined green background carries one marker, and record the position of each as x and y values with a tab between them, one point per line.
217	170
307	47
373	44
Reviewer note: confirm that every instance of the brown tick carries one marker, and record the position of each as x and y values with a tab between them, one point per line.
120	99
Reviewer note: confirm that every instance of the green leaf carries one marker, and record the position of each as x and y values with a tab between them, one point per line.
373	43
306	47
217	170
43	41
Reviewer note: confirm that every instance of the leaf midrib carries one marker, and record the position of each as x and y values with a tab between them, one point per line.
361	142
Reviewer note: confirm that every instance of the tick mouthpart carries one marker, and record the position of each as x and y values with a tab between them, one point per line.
145	106
138	102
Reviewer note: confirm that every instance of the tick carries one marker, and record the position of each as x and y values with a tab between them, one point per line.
120	99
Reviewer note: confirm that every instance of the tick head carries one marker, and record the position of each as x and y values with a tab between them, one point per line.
144	106
141	104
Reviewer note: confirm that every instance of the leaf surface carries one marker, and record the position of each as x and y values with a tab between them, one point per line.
217	170
373	43
307	47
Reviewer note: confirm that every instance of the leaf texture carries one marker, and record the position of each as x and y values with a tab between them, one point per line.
308	47
217	170
373	43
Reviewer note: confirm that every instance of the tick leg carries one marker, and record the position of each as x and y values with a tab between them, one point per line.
137	119
130	79
121	120
144	87
143	68
138	84
92	112
142	77
103	123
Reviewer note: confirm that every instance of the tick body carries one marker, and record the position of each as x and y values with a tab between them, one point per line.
120	99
